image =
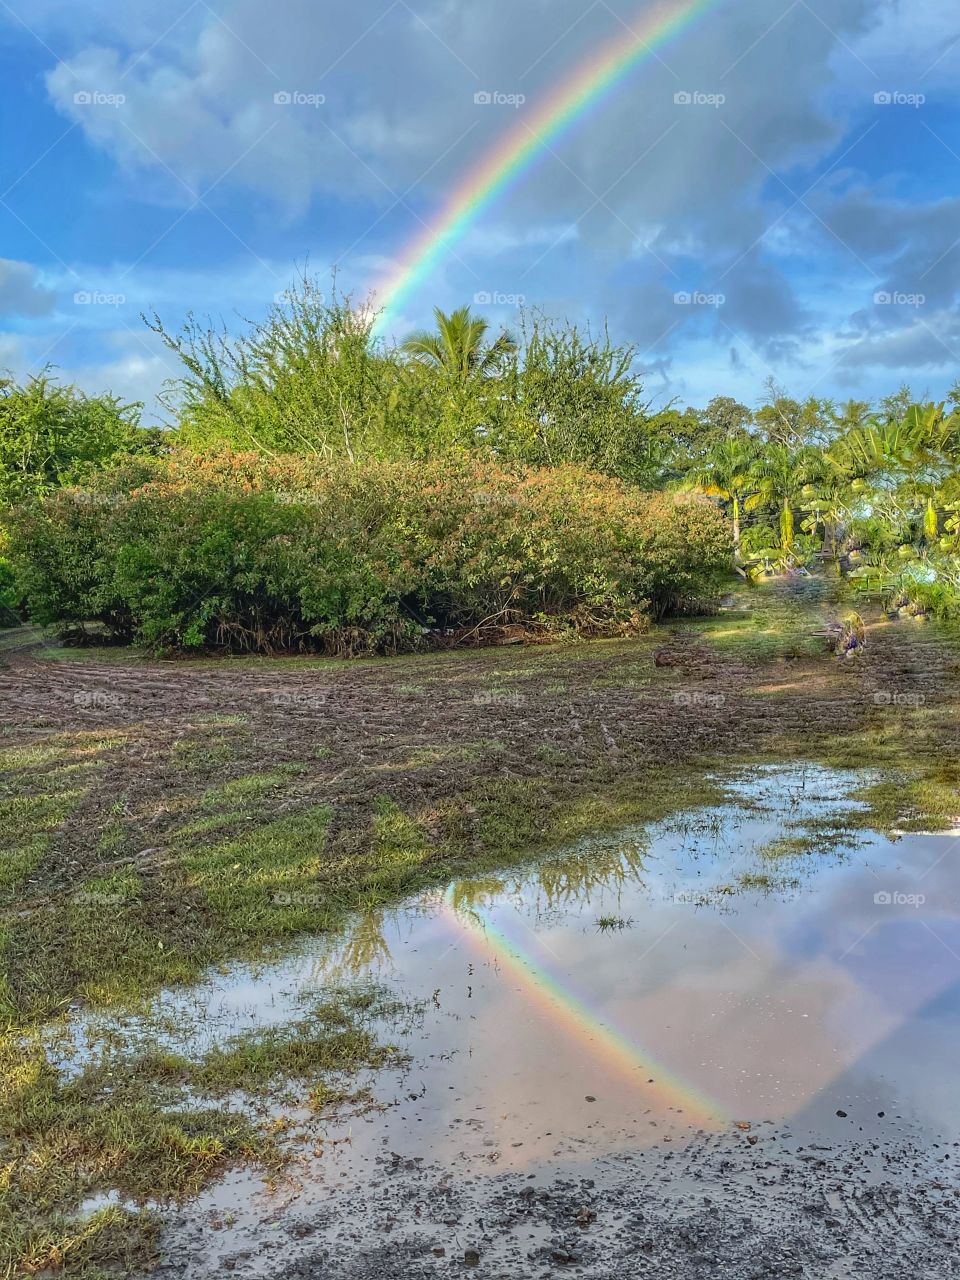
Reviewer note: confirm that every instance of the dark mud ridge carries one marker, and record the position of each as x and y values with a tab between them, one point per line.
750	1206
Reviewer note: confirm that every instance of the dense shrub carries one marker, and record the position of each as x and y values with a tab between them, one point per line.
240	552
9	589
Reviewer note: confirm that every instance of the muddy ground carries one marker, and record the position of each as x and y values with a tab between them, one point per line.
430	729
761	1207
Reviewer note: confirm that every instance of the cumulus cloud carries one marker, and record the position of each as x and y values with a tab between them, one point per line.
912	338
708	167
398	105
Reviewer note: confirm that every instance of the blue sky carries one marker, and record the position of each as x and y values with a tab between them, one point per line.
813	215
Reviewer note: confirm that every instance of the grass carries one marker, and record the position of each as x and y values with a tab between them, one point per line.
610	924
765	883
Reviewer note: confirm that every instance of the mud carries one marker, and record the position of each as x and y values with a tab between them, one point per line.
871	1195
516	1144
750	1206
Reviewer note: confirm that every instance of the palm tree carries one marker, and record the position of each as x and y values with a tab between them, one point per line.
729	472
782	472
458	346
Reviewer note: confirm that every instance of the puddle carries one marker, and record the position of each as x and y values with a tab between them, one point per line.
759	964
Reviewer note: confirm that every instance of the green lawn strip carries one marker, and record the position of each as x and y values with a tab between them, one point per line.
31	811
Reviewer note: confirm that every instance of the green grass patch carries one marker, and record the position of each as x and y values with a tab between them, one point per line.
271	881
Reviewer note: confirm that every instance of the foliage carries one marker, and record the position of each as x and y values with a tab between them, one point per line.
312	378
248	553
457	348
571	397
51	435
314	393
307	379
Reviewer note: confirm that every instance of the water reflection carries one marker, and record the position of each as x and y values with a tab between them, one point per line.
786	1000
573	879
826	994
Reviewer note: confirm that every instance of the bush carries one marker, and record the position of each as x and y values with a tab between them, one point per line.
9	596
242	553
51	435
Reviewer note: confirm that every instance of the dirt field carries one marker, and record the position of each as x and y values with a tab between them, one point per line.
427	730
718	1209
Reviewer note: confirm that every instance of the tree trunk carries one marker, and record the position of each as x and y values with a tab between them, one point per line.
786	526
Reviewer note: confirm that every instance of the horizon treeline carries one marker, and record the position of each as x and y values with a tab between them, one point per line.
874	488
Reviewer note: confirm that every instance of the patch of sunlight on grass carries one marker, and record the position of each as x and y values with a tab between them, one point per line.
399	848
250	787
19	860
271	879
35	813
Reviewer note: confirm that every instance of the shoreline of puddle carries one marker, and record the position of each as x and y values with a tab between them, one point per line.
544	1034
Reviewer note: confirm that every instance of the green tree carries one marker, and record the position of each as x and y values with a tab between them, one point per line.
52	435
458	347
309	378
725	416
783	420
574	397
730	472
782	473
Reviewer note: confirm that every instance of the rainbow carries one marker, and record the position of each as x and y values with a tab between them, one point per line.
528	141
557	999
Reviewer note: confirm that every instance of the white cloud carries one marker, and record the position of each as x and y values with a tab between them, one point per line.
618	212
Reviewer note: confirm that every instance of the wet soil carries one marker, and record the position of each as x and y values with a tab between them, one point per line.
755	1206
764	1202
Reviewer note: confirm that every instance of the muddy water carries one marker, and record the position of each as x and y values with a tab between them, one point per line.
759	969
